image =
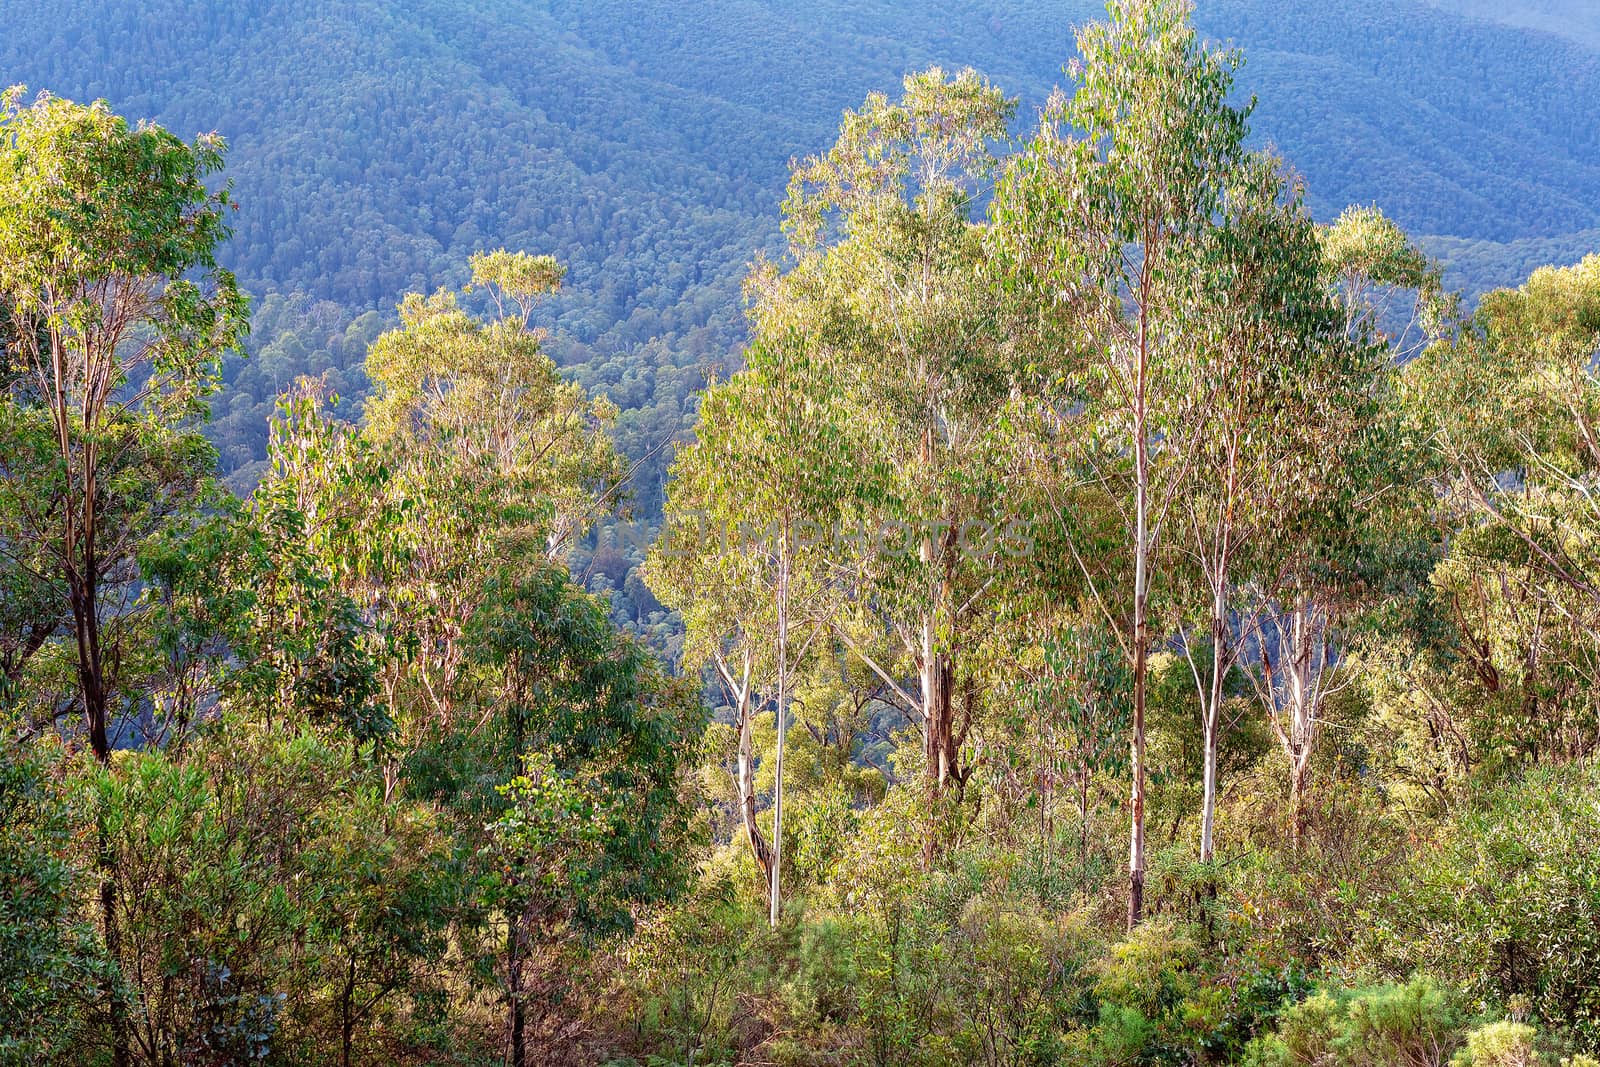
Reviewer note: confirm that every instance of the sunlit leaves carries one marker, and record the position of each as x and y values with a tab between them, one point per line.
108	235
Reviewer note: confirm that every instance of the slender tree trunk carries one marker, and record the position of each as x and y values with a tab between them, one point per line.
759	848
1141	657
1222	656
1141	624
1295	692
1306	713
83	593
935	674
517	1054
1083	817
1136	834
783	717
516	921
121	1055
78	536
1219	670
348	1023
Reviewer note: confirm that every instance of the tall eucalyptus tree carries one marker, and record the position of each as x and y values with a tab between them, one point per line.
887	281
1271	347
747	504
1105	220
119	318
1352	509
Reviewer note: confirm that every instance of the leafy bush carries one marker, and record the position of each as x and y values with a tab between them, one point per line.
45	950
1502	1044
1507	903
685	967
1007	968
1411	1025
269	904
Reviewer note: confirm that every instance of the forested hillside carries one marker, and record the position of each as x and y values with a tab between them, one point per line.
1122	591
1576	20
375	145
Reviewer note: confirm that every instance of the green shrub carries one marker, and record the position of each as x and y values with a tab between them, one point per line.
824	984
1006	962
1508	904
1144	986
1399	1026
1411	1025
1502	1044
684	968
1305	1035
268	900
1151	971
1233	1016
823	823
46	950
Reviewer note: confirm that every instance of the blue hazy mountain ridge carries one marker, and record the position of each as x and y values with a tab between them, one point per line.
1577	20
375	144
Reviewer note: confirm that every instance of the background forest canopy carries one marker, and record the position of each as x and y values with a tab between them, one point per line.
375	146
1094	613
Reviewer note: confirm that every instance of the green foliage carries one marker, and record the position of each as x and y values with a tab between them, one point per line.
1503	904
587	705
269	901
1502	1044
271	583
117	317
644	144
90	201
47	952
683	970
393	786
1412	1025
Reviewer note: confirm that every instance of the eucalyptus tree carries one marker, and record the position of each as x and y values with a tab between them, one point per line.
1390	291
887	282
492	459
118	318
594	824
301	642
1104	221
1357	515
485	394
1514	402
1270	346
748	511
1511	407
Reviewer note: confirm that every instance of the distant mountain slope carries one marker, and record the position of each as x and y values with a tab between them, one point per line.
1480	265
376	143
1577	20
